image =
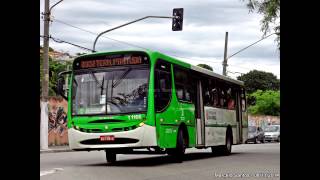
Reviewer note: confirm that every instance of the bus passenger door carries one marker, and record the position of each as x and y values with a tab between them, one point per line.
199	115
239	117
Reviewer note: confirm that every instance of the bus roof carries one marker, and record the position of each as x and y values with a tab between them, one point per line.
173	60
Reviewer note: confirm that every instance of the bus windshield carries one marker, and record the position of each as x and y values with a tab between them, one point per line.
111	91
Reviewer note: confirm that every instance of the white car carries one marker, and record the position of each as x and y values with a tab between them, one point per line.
272	133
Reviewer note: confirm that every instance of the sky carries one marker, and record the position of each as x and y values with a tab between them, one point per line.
200	42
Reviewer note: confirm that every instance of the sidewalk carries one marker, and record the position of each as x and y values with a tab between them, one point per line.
54	149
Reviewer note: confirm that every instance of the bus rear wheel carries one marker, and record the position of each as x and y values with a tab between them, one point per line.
226	149
111	157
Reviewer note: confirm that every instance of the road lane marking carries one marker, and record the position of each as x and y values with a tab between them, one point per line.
42	173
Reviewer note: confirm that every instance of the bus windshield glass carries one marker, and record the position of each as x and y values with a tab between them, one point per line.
111	91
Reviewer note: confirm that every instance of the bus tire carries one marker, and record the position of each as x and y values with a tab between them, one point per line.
180	148
226	149
111	157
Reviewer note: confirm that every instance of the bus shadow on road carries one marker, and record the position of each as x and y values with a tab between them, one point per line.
161	160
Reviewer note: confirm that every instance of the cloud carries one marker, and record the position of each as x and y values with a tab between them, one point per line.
202	38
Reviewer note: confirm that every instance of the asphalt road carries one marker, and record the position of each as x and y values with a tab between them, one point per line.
249	161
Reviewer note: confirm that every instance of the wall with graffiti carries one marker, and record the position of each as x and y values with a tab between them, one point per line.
58	131
263	121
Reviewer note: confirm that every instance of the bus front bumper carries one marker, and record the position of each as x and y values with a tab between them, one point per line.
144	136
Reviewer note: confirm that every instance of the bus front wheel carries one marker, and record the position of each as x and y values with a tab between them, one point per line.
181	147
111	157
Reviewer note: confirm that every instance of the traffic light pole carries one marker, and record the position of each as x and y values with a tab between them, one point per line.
95	41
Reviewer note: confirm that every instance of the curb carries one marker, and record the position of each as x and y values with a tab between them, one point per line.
55	150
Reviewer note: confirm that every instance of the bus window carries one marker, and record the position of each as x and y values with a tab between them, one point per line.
206	92
214	101
230	98
184	85
222	95
162	85
243	100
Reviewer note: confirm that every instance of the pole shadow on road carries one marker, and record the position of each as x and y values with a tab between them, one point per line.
160	160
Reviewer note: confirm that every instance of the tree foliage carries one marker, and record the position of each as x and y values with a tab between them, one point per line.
265	103
270	9
205	66
55	67
259	80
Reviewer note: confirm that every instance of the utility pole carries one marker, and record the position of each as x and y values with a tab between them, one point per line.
45	80
225	56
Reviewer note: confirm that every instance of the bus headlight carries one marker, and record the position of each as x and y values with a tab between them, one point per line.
141	124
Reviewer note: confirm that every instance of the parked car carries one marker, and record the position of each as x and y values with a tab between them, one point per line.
272	133
255	134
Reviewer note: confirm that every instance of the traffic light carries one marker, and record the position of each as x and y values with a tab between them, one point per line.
177	21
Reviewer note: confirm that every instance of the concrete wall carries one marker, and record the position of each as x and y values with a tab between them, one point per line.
262	120
58	131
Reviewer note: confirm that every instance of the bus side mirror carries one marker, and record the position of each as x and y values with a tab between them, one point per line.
61	84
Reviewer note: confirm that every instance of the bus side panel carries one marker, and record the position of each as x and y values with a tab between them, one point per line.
216	122
151	109
168	136
192	136
169	121
69	118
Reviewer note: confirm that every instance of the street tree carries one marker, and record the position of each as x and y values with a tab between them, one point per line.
270	9
54	68
259	80
265	103
205	66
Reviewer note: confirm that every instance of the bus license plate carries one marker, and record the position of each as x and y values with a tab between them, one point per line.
106	138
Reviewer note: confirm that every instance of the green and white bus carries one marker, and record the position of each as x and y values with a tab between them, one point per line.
128	102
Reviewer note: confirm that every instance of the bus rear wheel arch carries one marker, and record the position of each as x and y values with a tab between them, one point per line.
227	147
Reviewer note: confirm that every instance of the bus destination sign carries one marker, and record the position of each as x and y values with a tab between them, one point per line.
108	61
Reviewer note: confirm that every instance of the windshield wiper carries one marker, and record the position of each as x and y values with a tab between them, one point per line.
123	75
75	81
96	79
102	86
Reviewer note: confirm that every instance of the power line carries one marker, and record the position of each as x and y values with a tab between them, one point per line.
240	67
133	45
130	44
62	41
249	45
247	69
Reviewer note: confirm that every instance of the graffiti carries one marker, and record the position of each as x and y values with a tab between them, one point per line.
263	121
58	121
57	126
